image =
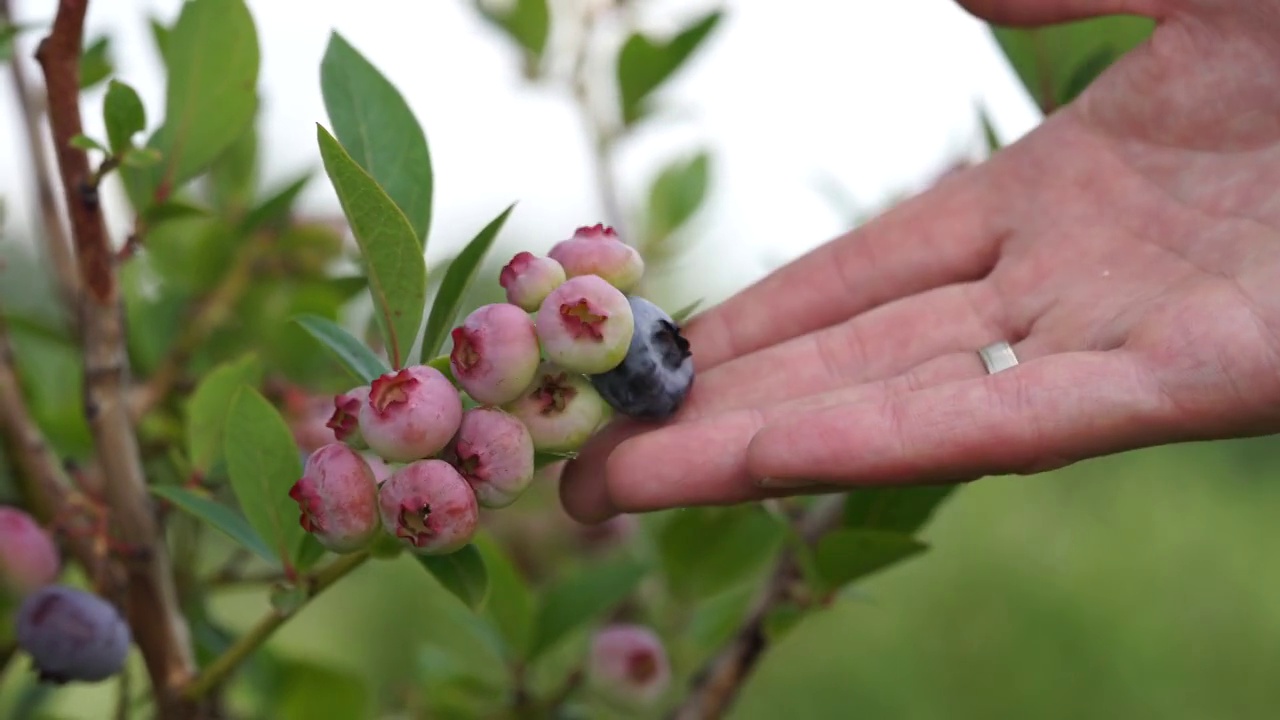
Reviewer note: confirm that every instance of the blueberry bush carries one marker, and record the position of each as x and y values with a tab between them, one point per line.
236	397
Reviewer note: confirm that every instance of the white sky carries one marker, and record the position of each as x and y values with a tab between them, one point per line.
878	96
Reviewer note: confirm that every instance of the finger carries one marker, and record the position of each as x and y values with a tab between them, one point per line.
1045	12
879	343
945	235
1034	416
704	462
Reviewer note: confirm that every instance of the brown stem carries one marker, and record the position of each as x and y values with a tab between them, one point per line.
717	685
159	629
53	231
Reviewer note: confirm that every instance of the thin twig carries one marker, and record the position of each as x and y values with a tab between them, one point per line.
232	657
717	685
159	628
53	231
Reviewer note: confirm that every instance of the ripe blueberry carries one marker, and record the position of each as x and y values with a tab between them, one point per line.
72	635
654	378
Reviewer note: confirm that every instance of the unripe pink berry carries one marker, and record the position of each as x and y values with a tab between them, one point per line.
411	414
529	278
495	353
71	635
345	421
28	557
338	497
585	325
596	250
628	665
494	453
308	417
561	409
429	507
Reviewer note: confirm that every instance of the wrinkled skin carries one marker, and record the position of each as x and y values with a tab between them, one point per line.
1127	248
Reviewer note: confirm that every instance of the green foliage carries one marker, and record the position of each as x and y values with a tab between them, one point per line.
527	22
123	114
354	355
305	690
581	597
1056	63
674	198
262	464
851	554
212	59
457	279
511	603
644	63
392	255
706	551
904	509
377	128
209	406
219	516
686	312
462	573
95	63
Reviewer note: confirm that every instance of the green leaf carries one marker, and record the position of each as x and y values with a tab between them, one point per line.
675	196
123	114
376	126
392	255
159	35
7	34
457	279
686	312
527	22
262	464
172	209
1056	62
580	598
225	519
274	211
141	158
306	690
95	62
211	97
543	458
462	573
850	554
84	142
904	508
988	130
510	605
207	410
354	355
706	551
233	176
644	63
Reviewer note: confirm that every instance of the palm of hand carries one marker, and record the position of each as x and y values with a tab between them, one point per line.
1126	248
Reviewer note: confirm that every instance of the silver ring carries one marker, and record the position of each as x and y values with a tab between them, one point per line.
998	356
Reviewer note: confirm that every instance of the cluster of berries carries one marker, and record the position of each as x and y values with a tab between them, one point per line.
70	634
419	451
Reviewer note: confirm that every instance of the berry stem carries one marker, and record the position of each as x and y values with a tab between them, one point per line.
228	661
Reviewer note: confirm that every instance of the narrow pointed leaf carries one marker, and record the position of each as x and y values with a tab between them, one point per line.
457	278
262	464
225	519
374	123
462	573
354	355
123	114
207	410
392	256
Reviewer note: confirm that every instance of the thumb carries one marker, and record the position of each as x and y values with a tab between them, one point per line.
1046	12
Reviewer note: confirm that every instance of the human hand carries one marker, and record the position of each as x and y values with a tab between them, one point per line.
1127	249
